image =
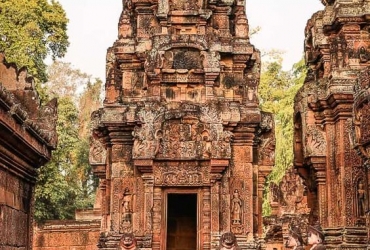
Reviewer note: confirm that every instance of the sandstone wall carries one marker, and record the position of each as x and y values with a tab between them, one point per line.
67	235
14	211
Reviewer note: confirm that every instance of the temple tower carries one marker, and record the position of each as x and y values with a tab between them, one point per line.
331	120
181	146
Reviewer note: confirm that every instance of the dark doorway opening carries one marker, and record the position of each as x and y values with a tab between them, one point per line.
182	222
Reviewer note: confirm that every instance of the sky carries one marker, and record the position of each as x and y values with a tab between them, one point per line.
93	28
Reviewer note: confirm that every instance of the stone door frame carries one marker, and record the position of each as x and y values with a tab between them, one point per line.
180	190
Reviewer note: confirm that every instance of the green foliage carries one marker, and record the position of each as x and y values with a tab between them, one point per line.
277	91
30	30
56	190
89	101
66	183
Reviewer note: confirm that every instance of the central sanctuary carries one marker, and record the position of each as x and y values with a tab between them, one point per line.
181	146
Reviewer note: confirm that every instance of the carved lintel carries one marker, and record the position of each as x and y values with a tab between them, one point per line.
99	170
218	165
319	165
264	171
144	166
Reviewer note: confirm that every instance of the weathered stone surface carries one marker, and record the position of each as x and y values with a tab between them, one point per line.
288	201
27	132
60	235
331	128
181	117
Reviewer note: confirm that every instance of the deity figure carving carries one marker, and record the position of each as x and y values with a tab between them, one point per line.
236	208
126	207
127	6
128	242
361	199
125	28
241	25
295	240
316	237
210	59
228	242
363	55
97	151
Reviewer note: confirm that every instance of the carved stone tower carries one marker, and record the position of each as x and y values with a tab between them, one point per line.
181	147
332	122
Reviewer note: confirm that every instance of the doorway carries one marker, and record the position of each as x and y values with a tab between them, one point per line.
181	221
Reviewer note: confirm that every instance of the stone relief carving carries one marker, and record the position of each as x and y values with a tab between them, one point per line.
180	139
210	114
211	60
236	208
315	141
125	28
267	150
316	237
293	194
97	152
295	239
361	199
228	242
181	174
360	132
184	5
363	54
186	59
126	207
128	242
241	25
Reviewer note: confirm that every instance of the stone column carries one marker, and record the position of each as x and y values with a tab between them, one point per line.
215	207
148	202
319	165
206	218
263	172
241	179
157	218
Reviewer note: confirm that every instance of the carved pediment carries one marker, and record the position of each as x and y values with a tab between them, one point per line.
176	139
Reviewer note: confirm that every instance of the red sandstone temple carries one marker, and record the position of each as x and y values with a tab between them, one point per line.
332	133
181	146
332	124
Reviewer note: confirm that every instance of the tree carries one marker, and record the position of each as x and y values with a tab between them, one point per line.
56	189
66	183
30	30
89	101
277	91
64	80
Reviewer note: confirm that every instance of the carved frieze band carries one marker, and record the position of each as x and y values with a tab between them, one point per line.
181	174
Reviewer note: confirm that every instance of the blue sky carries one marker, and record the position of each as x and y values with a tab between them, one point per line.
93	28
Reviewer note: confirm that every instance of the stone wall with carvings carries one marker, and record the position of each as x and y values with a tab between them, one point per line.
289	207
27	132
330	144
181	114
